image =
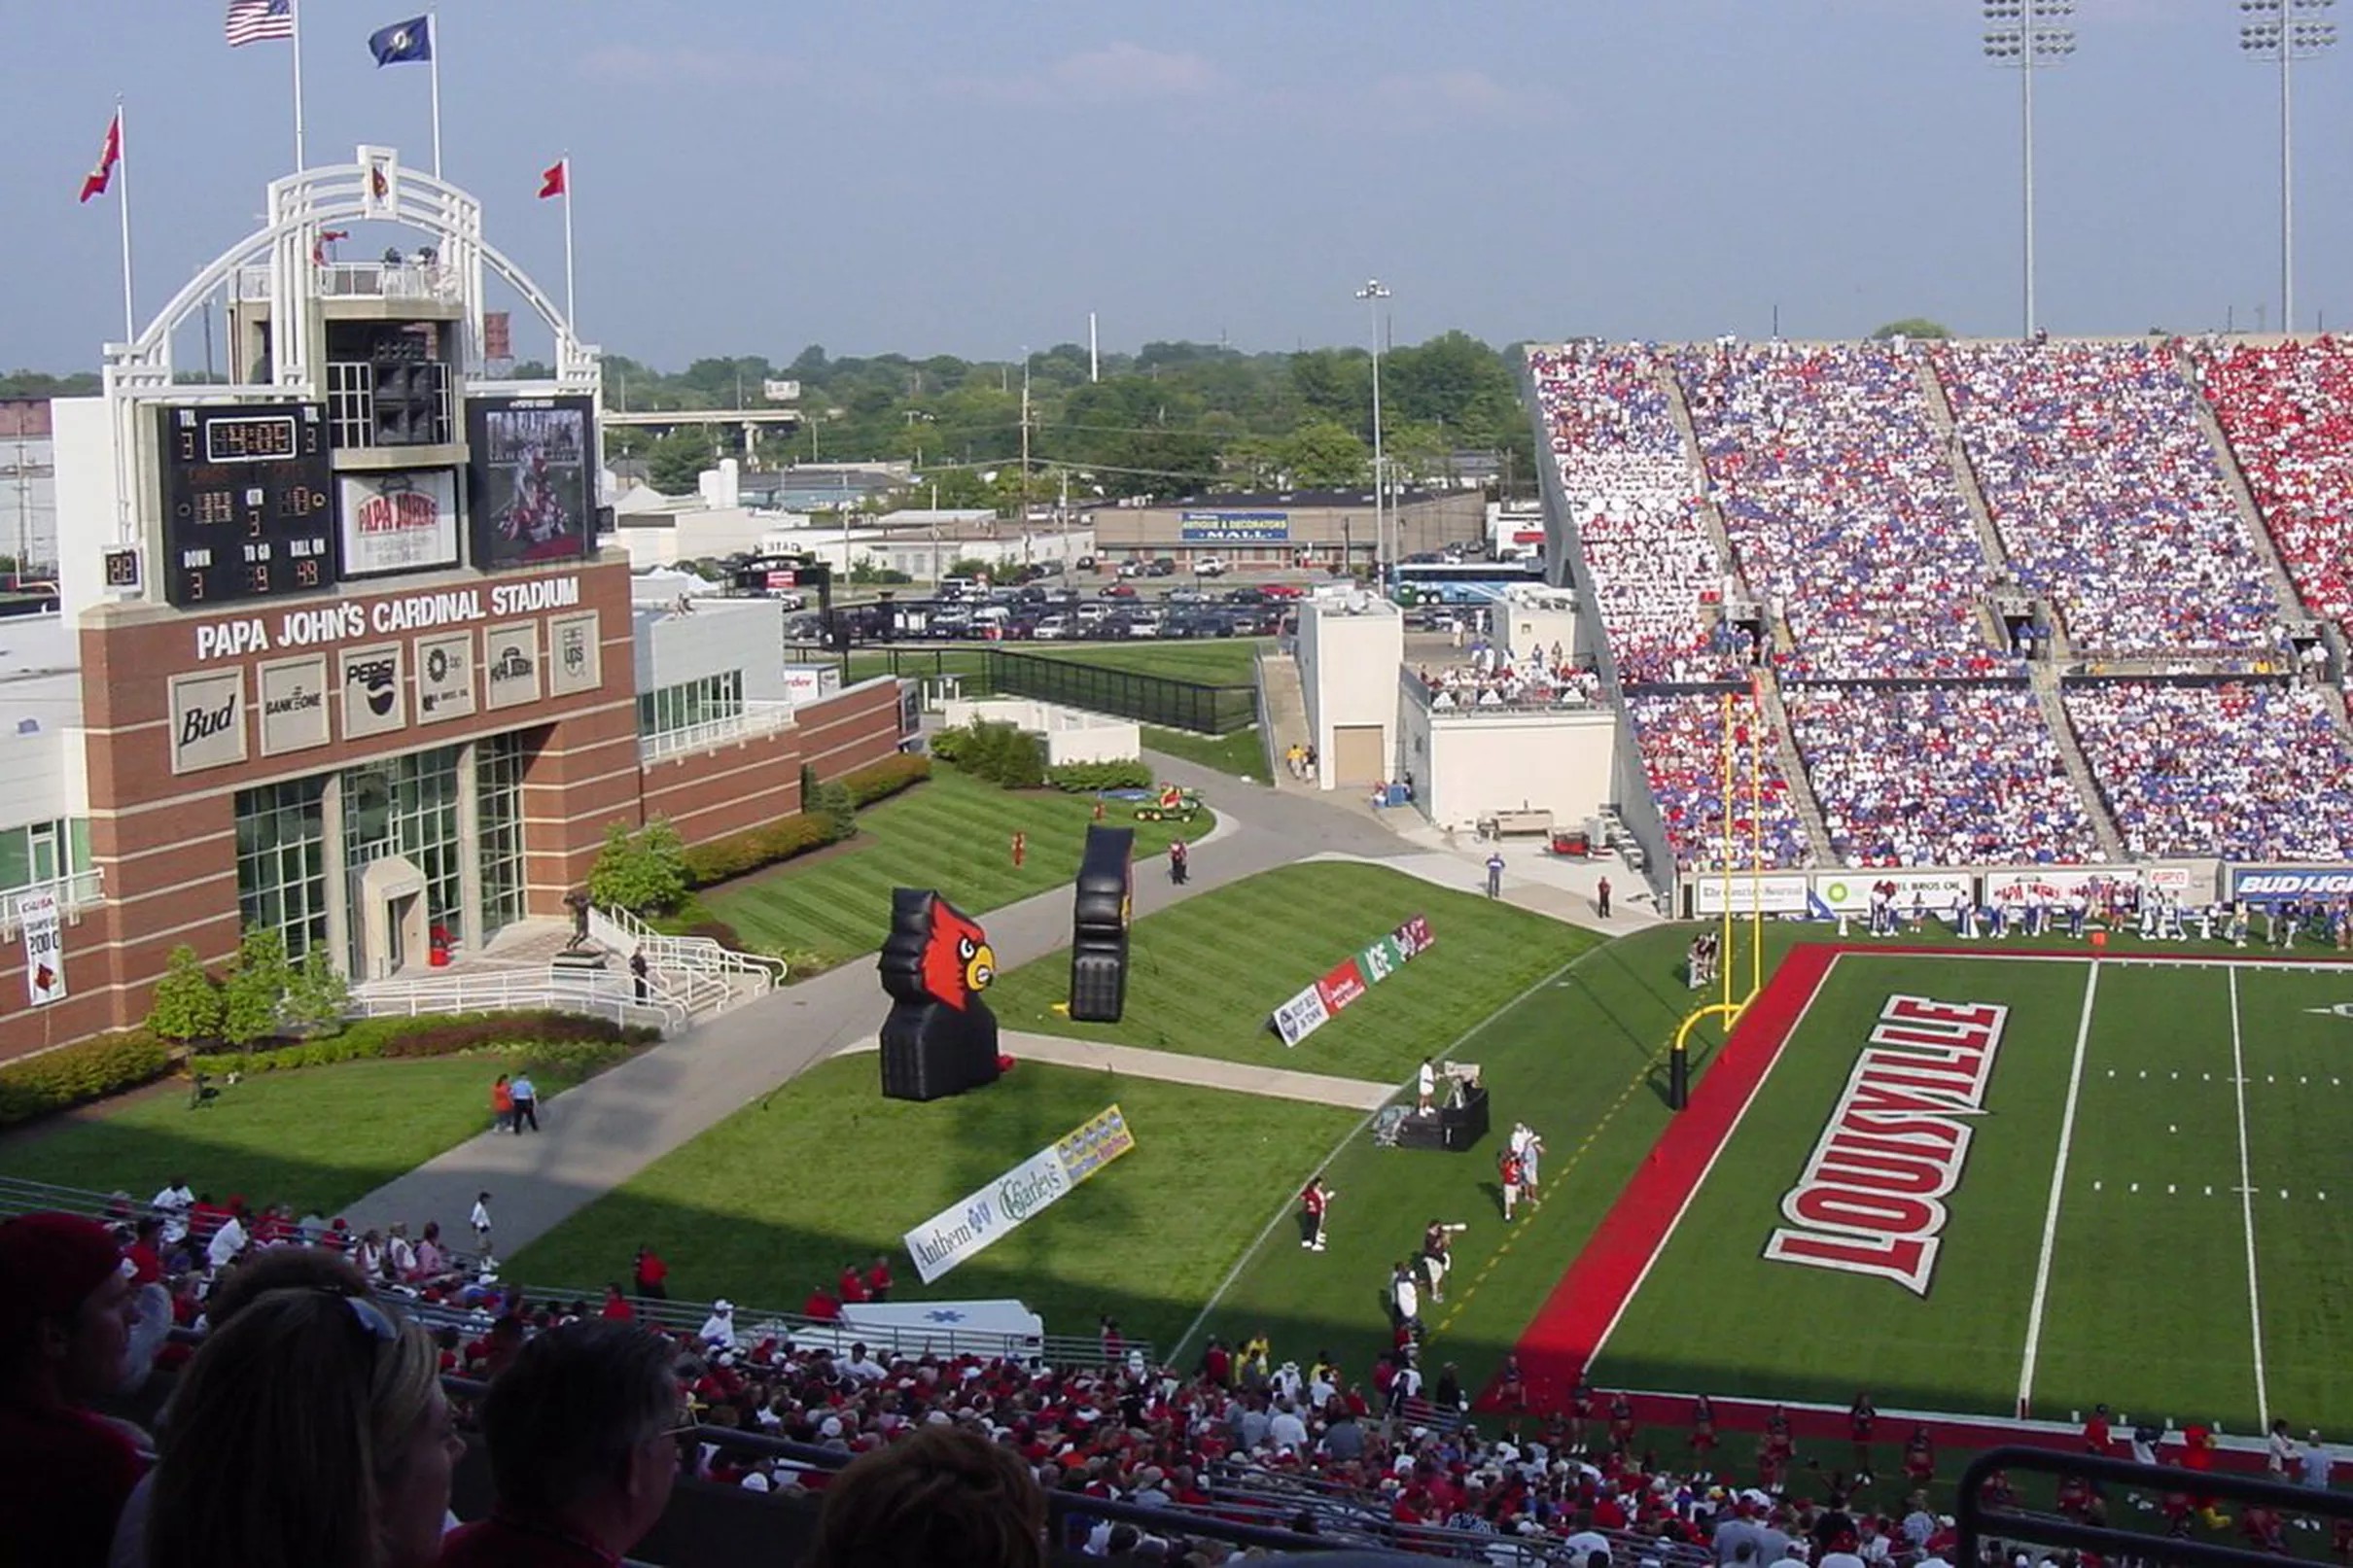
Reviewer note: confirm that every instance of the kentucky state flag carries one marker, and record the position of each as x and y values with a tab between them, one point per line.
402	42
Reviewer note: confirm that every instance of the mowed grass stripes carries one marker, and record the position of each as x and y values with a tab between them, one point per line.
949	833
1204	976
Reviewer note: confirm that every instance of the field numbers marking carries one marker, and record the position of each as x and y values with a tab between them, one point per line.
2058	1176
2246	1204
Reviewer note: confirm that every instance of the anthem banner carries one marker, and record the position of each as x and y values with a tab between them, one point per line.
964	1229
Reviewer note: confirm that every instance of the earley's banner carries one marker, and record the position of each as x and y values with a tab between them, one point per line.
1313	1008
963	1229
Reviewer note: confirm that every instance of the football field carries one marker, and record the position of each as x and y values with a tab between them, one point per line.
1986	1186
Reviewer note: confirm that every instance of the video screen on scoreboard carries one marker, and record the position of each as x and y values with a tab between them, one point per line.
532	479
248	502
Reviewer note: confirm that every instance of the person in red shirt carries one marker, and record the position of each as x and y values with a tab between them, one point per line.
2097	1435
1621	1422
852	1288
64	1338
616	1306
1315	1202
1920	1457
1703	1435
1861	1417
821	1306
878	1280
652	1276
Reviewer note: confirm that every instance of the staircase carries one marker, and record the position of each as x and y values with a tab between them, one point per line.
1793	766
490	988
1712	513
2045	677
2250	515
698	974
1964	472
1283	716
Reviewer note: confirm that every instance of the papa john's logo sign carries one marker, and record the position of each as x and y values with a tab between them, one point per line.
1870	1198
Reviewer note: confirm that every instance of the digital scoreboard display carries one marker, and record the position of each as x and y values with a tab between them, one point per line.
248	502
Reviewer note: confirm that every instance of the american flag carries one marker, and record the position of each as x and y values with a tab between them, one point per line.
252	22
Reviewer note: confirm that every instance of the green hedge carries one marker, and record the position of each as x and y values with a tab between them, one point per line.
723	859
1086	778
1001	754
76	1074
885	779
449	1035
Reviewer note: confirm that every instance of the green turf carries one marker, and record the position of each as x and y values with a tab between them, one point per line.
1208	661
766	1204
2147	1302
951	833
317	1137
1242	754
1576	1060
1205	975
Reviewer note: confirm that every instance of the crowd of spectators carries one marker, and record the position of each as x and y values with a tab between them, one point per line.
1629	483
2109	498
1841	506
1681	734
2288	411
1954	775
1491	676
2244	771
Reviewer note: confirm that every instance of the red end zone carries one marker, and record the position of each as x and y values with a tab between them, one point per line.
1570	1326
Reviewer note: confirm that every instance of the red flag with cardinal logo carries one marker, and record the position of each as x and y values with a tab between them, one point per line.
94	183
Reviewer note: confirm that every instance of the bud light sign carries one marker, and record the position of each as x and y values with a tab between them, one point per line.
2276	885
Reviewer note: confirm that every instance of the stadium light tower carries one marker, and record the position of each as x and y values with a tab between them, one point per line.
1372	294
2027	36
2286	31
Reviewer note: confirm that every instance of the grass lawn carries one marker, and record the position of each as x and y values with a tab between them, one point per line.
1242	754
1578	1062
1208	661
952	833
776	1198
1205	975
318	1138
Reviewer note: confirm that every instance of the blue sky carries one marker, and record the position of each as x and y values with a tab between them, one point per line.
755	176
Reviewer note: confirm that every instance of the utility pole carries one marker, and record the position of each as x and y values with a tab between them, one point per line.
2282	33
2026	36
1025	440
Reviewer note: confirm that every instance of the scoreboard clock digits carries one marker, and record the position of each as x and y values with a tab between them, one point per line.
246	503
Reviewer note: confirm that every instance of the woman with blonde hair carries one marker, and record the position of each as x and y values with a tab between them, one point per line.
308	1431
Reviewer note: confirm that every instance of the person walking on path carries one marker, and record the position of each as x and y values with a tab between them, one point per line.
526	1103
1179	858
481	1223
1602	900
502	1105
1495	875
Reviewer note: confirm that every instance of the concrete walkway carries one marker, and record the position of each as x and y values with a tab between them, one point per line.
1175	1067
598	1135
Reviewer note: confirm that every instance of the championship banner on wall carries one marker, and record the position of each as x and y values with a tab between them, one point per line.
964	1229
44	947
1313	1008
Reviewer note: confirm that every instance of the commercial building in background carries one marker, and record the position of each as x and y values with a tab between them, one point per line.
1293	528
28	487
339	654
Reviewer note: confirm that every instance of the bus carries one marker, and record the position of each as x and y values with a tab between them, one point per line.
1460	582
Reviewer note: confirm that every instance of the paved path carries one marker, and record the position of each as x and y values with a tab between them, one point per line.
597	1136
1175	1067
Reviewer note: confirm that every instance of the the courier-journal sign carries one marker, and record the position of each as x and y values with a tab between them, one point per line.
978	1221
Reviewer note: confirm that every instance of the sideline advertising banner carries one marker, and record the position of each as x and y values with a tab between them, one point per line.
1849	892
1351	978
2054	886
2273	885
1791	894
964	1229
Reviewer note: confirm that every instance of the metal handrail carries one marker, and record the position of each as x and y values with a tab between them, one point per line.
623	931
1977	1520
757	718
74	892
510	990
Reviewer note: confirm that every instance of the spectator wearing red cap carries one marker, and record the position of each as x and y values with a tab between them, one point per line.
64	1335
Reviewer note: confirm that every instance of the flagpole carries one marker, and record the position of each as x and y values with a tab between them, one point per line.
131	316
294	14
433	57
571	316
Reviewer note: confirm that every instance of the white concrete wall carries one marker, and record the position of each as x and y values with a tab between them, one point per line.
1072	733
1348	663
87	523
1564	763
722	635
1526	621
691	535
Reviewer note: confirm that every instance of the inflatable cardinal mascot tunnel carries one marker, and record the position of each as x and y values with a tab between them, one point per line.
940	1038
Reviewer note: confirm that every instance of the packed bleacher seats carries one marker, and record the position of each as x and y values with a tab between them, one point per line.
2246	771
1629	483
1681	734
2109	497
2287	410
1955	775
1841	506
1490	678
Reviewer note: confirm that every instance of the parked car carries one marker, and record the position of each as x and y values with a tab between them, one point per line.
1117	590
1187	595
1283	590
1052	629
1085	563
1131	568
1207	565
1162	567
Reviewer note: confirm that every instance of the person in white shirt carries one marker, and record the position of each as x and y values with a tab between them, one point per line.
2315	1462
226	1242
719	1327
173	1203
1426	1086
1287	1430
481	1223
861	1364
1405	1297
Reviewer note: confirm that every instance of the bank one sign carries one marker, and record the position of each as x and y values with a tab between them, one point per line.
979	1220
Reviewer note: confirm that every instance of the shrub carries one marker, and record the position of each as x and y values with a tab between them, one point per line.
188	1004
719	931
643	872
402	1038
736	853
1086	778
999	754
836	809
76	1074
880	780
256	988
318	995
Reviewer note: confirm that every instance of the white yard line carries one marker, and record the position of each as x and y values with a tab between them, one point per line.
2246	1206
2058	1181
